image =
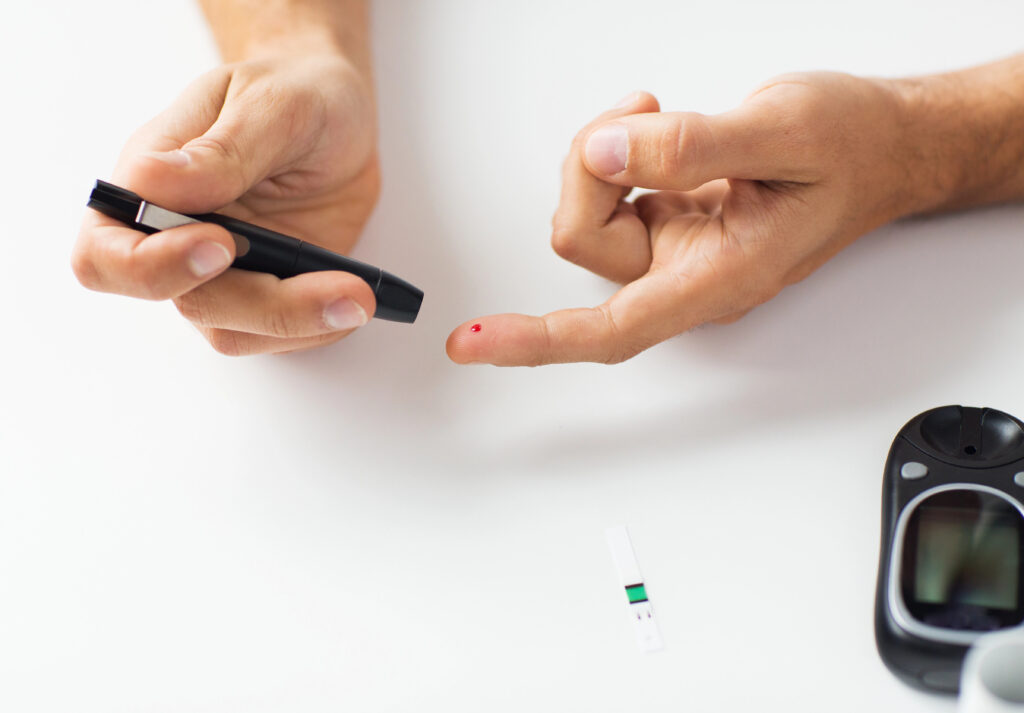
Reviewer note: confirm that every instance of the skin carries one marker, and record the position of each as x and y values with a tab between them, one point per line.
753	200
746	202
282	135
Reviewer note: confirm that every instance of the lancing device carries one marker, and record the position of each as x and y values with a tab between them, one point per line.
261	250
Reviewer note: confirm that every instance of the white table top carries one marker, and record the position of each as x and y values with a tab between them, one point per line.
369	527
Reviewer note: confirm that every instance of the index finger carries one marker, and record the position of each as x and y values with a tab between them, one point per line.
643	313
587	202
591	228
111	257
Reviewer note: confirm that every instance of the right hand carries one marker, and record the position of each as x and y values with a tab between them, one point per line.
286	142
745	203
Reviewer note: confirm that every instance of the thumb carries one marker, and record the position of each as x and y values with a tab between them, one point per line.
208	171
682	151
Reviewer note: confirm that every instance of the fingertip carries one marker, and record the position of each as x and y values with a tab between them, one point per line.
637	101
633	102
174	159
501	340
210	254
344	314
179	180
337	290
82	264
606	149
358	290
465	344
483	340
154	175
606	142
83	267
175	261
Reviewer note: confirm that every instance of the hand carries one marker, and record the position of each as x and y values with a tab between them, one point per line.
750	201
287	142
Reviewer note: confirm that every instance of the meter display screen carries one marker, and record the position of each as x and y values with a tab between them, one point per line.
962	562
958	560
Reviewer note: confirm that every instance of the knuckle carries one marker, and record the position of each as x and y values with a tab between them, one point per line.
808	119
619	347
764	284
566	243
220	143
191	307
278	324
133	272
142	277
226	342
683	144
84	269
670	149
752	290
805	111
545	354
299	108
781	82
620	352
767	288
616	356
806	127
224	146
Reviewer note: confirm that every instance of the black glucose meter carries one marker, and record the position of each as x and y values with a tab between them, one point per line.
951	567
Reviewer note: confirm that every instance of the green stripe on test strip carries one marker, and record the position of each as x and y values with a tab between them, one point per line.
636	593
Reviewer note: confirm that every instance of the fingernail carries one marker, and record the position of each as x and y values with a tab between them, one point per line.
208	258
607	149
176	158
626	100
344	314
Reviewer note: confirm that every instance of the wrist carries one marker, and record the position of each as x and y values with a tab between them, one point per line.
929	147
296	42
961	137
248	30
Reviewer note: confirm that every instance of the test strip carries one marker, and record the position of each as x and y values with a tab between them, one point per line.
648	637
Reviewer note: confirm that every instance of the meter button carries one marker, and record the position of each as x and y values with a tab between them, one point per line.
1019	479
912	470
941	679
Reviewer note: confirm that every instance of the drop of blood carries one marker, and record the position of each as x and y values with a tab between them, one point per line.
475	328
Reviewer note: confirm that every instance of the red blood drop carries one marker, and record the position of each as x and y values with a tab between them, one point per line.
475	328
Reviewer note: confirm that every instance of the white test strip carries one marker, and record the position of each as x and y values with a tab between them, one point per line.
648	637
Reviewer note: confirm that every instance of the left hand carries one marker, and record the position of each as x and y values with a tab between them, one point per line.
286	141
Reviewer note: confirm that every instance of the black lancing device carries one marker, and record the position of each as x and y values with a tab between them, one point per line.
951	562
261	250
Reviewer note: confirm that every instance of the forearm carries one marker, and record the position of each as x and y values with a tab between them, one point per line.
964	136
246	29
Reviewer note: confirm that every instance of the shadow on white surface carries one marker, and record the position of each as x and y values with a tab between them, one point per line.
899	313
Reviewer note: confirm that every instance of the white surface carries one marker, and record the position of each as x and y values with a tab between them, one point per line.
371	528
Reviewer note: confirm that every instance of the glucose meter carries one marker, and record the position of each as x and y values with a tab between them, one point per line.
951	567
